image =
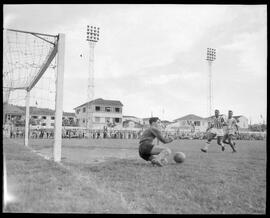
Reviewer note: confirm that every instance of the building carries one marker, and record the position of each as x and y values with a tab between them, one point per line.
11	112
98	113
39	117
131	124
242	121
191	122
133	118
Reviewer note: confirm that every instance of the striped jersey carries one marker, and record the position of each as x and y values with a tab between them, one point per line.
231	123
218	122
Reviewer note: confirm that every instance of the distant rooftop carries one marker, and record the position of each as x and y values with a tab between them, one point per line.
101	101
16	109
189	117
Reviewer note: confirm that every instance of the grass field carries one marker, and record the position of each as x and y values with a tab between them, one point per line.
107	176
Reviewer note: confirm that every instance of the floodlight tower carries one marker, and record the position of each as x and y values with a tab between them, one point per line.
92	35
211	56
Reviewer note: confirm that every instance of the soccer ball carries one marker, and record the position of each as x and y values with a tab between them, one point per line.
179	157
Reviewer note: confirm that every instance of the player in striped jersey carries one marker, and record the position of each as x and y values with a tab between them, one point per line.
230	130
215	129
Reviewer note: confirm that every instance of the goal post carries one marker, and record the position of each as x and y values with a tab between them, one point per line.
27	117
34	64
59	98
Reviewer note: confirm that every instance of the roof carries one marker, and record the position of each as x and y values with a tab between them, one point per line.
146	118
130	116
166	121
16	109
69	114
127	121
189	117
12	109
236	117
38	111
101	101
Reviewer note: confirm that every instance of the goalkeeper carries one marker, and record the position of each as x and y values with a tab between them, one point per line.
147	150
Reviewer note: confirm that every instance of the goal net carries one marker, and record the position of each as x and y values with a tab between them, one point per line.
33	67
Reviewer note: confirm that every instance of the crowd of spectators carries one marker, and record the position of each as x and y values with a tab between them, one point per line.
101	134
18	132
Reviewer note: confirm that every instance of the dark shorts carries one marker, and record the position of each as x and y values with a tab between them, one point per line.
145	151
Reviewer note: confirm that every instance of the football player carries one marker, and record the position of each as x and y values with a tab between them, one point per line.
157	155
230	129
214	129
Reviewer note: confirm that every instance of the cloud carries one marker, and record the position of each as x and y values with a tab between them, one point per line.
161	79
153	56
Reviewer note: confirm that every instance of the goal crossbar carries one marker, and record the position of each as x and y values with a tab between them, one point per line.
20	31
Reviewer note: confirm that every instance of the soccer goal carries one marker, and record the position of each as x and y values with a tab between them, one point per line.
33	74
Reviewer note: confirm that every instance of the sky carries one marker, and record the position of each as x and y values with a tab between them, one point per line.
152	57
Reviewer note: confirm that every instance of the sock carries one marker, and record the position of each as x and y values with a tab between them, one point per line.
232	144
206	145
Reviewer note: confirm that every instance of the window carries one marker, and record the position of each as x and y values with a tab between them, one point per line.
117	120
117	109
52	118
83	120
78	111
197	123
52	124
43	124
34	117
84	109
97	108
107	109
97	119
44	117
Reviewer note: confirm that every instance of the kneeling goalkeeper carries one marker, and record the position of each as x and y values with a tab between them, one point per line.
147	150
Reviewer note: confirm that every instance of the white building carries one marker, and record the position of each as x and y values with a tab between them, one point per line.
98	113
192	123
242	121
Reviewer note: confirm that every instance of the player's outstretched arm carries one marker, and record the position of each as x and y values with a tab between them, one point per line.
159	136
